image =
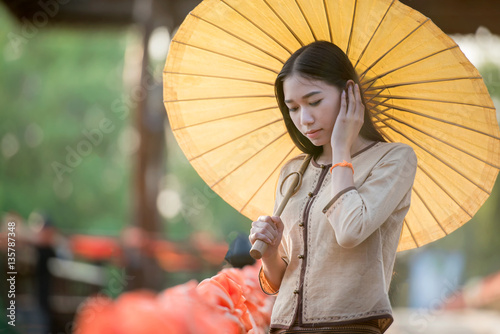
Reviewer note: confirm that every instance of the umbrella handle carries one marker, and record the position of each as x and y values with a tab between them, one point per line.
259	247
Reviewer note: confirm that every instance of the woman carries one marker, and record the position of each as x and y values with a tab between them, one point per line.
332	251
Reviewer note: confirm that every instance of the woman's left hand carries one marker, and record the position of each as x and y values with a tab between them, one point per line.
349	120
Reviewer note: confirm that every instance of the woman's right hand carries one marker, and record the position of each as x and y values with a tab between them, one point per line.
269	230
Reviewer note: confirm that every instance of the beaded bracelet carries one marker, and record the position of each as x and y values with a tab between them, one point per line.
342	164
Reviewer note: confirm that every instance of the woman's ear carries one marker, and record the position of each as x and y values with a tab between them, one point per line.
349	83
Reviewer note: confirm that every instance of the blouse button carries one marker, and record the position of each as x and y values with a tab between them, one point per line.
296	292
301	224
300	256
310	194
322	166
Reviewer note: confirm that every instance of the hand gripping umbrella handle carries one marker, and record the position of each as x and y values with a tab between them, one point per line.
259	247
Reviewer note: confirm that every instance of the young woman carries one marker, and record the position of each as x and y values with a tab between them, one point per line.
331	253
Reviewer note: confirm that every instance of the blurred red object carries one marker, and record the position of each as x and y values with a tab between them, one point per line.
94	247
482	293
228	303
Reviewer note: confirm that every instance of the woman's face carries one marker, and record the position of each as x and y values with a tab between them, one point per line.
314	106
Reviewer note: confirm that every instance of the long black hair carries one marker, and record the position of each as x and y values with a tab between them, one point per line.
323	61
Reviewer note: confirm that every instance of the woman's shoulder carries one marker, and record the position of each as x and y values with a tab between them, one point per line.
401	153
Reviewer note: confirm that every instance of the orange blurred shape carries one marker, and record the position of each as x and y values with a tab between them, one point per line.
172	259
192	313
210	250
94	247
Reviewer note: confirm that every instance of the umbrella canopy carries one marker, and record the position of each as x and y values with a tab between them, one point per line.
419	87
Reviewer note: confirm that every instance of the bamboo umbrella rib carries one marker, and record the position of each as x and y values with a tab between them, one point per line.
218	98
285	24
241	136
410	63
411	233
244	162
237	37
352	27
227	56
220	77
307	21
378	112
436	157
439	120
398	97
258	27
268	177
373	34
376	103
392	48
328	21
393	85
436	181
429	210
224	117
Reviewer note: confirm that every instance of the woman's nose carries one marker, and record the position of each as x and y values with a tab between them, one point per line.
306	117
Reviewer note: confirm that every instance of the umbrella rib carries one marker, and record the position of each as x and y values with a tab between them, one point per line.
240	136
328	21
396	97
430	211
244	162
259	27
352	28
286	25
217	98
422	82
373	34
436	181
307	21
219	77
236	36
225	117
227	56
410	63
436	157
392	48
268	177
437	119
411	233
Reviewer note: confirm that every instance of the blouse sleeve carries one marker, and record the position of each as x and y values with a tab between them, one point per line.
356	213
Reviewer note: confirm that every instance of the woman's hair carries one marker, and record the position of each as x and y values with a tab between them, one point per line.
326	62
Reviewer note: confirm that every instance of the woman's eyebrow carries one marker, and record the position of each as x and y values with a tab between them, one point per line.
305	96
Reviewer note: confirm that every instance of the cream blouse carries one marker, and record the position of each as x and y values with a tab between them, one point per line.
340	248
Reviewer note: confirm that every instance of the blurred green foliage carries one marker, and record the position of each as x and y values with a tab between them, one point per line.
57	84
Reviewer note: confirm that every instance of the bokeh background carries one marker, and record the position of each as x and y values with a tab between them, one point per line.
104	201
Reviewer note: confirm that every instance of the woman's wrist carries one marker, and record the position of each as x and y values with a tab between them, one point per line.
340	153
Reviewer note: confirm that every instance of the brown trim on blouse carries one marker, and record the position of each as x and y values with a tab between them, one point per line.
305	218
336	197
387	318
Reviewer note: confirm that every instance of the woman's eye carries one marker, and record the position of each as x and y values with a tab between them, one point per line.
313	104
292	109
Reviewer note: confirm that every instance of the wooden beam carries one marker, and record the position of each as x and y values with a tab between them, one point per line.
460	16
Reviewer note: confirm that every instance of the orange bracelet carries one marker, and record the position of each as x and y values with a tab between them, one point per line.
342	164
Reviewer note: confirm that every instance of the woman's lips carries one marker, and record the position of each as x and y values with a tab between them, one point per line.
313	134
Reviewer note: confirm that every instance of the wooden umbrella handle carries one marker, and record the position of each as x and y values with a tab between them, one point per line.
259	247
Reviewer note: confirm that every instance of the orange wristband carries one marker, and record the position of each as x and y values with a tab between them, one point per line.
342	164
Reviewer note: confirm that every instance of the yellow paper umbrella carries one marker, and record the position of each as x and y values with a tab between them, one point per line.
420	89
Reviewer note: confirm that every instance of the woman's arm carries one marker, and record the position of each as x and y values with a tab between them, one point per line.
270	230
355	213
